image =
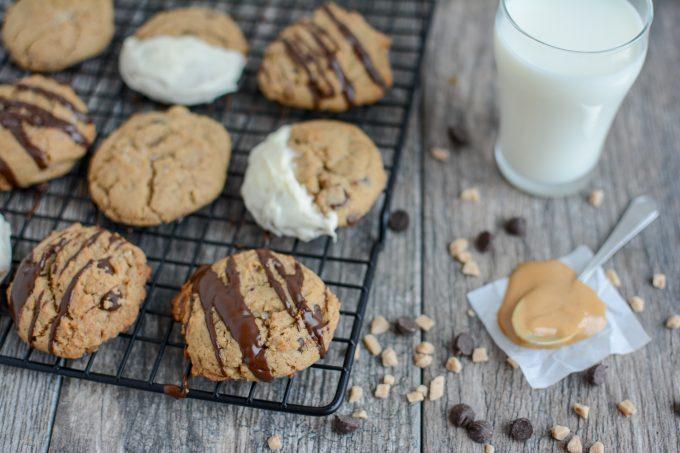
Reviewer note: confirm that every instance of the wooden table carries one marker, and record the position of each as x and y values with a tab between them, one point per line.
40	412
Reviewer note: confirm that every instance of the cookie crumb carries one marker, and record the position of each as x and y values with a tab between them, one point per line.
470	194
436	388
581	410
372	344
596	198
379	325
471	313
424	322
382	391
479	355
488	448
415	397
422	389
389	357
471	269
627	408
597	447
274	442
454	365
356	393
613	278
574	445
422	360
559	432
659	281
673	322
637	303
425	347
389	379
513	364
360	414
440	154
457	247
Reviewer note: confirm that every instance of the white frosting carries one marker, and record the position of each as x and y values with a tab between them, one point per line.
275	198
180	69
5	248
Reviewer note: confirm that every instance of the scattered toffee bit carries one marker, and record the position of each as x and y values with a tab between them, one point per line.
637	304
425	347
379	325
483	241
480	355
372	344
343	424
596	198
274	442
422	360
458	246
458	134
575	445
521	429
389	357
470	194
405	326
613	278
436	388
673	322
471	269
659	281
463	344
488	448
581	410
424	322
461	415
415	397
480	431
398	221
597	447
356	393
382	391
627	408
440	154
596	375
362	414
453	365
389	379
516	226
559	432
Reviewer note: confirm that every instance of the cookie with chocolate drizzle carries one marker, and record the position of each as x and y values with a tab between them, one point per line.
332	60
77	289
257	315
44	131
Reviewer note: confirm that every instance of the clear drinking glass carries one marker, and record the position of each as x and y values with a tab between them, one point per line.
556	101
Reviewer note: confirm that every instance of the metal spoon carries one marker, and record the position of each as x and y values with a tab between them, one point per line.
640	213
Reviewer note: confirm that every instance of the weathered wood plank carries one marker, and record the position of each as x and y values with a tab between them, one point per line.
640	157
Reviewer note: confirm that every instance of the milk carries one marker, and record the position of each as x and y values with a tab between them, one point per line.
561	86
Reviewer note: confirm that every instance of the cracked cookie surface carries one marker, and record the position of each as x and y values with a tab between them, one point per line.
160	166
340	167
77	289
51	35
257	315
44	131
332	60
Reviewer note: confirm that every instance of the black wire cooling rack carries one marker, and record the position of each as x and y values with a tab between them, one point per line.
149	355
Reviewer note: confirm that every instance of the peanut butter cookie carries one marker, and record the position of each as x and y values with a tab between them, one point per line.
256	315
77	289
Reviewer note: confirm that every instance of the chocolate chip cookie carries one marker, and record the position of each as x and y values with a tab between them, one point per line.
256	315
77	289
332	60
44	131
51	35
159	166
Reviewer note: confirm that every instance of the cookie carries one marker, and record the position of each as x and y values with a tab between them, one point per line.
77	289
185	56
307	179
159	166
51	35
44	131
332	60
256	315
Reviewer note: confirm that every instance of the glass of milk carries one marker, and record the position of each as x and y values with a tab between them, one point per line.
564	67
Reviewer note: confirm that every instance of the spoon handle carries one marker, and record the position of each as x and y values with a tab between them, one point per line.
640	212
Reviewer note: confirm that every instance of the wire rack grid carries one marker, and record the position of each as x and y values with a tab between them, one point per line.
149	355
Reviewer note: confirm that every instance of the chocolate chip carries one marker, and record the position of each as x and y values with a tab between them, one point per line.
406	326
398	221
676	406
461	415
597	374
483	241
458	135
521	429
343	424
463	344
516	226
480	431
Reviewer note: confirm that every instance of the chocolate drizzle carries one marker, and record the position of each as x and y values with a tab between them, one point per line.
52	96
8	174
302	56
228	302
296	305
34	318
176	391
91	240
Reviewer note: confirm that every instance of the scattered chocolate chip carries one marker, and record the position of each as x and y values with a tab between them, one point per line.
483	241
521	429
461	415
343	424
458	135
405	326
398	220
677	408
480	431
463	344
597	374
516	226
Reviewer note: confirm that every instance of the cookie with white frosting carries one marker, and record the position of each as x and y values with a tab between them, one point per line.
185	56
307	179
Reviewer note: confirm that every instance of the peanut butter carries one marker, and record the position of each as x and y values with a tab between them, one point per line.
547	307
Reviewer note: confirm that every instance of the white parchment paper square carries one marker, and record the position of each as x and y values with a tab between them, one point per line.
543	368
